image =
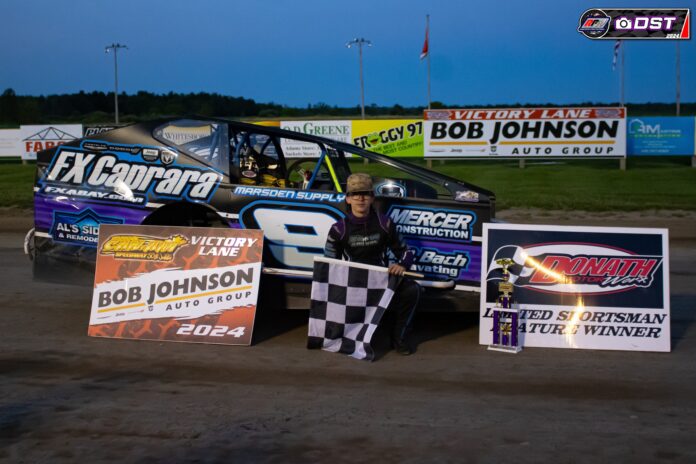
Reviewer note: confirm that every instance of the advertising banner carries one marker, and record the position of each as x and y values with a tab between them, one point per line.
661	136
265	123
9	142
96	129
35	138
334	130
580	287
184	284
392	137
525	132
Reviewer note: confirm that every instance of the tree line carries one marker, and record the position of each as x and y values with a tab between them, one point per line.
98	107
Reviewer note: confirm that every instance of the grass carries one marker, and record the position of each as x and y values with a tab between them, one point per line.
16	184
591	185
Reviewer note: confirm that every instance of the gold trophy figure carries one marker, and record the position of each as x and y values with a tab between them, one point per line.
505	317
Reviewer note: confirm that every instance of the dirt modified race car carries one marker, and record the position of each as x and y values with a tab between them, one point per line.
217	173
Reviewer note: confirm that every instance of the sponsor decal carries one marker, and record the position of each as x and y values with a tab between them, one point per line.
467	195
143	247
107	176
569	268
393	137
432	261
652	136
335	130
594	23
390	189
45	139
525	130
85	193
634	23
181	135
580	287
150	154
95	146
98	145
167	157
436	114
79	228
203	290
36	138
290	194
430	223
528	132
96	130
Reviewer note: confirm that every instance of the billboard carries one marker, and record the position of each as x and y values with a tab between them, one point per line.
580	287
392	137
525	132
661	136
34	138
186	284
9	142
335	130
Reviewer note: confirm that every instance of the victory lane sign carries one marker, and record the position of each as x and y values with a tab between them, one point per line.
186	284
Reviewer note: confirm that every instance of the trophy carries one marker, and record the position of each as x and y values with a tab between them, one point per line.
505	317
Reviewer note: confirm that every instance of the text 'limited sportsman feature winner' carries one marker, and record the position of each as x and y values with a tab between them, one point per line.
581	287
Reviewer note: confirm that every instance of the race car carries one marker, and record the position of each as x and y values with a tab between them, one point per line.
219	173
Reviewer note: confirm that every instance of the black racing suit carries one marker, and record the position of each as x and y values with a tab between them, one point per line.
366	240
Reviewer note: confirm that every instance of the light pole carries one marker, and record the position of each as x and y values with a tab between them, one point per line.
360	42
114	47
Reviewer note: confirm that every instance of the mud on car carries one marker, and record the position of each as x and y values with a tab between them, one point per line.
217	173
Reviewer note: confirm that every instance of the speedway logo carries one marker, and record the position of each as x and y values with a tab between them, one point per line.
143	247
95	172
635	23
570	268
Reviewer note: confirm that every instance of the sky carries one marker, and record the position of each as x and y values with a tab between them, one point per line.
293	52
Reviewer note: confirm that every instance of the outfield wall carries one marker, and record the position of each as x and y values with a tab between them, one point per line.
456	134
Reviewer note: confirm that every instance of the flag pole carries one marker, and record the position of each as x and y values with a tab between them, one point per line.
427	28
623	62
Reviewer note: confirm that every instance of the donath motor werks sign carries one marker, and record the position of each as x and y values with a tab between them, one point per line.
186	284
580	287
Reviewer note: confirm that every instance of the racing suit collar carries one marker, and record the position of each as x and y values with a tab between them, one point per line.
360	220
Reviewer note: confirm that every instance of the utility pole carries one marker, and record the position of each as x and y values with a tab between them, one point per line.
114	47
678	79
360	42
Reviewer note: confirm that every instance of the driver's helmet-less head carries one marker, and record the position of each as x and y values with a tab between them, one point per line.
248	165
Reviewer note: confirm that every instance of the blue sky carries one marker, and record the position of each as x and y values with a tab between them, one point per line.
293	52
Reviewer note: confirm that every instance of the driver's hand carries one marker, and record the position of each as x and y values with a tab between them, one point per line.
397	270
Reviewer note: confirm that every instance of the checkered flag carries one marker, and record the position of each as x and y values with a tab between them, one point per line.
348	301
519	268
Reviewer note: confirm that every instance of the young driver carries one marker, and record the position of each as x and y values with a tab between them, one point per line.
364	236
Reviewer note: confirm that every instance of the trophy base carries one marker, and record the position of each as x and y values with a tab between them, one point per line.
505	349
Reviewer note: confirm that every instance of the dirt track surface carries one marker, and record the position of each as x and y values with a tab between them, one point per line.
66	397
